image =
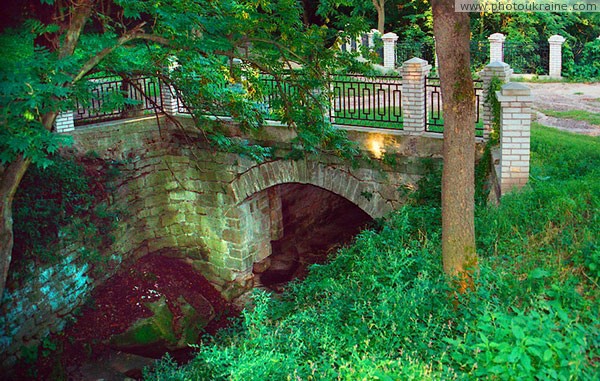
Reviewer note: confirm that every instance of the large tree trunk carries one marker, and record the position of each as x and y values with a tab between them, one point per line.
9	182
452	33
380	8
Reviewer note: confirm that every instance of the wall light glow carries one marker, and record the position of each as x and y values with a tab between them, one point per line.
375	145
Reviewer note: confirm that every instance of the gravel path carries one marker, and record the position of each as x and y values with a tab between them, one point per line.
564	97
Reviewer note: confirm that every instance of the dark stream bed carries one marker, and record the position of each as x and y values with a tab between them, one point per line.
315	224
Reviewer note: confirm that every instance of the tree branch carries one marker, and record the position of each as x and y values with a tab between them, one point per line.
133	35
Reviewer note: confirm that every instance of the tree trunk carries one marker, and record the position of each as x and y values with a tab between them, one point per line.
451	30
380	8
9	182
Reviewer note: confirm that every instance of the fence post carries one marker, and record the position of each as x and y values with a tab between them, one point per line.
497	47
503	72
555	64
170	102
435	57
515	125
414	74
389	50
64	122
169	98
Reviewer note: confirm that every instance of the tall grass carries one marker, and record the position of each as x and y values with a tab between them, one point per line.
382	310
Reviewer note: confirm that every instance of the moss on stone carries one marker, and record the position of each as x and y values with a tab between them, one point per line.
155	329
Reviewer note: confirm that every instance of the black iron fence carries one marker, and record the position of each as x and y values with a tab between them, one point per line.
366	101
421	49
527	57
434	116
480	54
355	100
114	98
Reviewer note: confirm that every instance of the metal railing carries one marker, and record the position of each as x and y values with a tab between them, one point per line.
409	49
114	98
434	118
527	58
355	100
366	101
480	54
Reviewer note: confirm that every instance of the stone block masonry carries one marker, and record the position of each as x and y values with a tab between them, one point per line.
217	209
42	304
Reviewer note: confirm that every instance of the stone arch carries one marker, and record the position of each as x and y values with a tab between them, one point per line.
362	192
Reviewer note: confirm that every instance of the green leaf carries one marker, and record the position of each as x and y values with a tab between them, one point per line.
526	362
538	273
517	331
483	338
514	354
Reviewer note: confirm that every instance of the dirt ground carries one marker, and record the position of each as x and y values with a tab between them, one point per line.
564	97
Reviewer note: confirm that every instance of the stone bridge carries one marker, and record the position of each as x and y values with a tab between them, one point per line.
224	213
220	211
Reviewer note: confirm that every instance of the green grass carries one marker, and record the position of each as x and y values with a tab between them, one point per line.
586	116
437	125
382	309
371	118
538	79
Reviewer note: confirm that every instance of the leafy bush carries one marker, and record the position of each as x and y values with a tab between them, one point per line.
382	308
588	66
62	203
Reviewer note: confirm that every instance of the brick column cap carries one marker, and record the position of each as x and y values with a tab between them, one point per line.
497	37
510	91
556	40
390	36
496	67
415	63
497	64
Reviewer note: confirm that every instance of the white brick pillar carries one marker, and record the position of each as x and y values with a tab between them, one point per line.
436	63
168	93
414	73
502	71
555	64
389	50
497	47
169	98
515	125
64	122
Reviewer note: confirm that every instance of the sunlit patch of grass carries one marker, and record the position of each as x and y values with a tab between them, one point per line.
590	117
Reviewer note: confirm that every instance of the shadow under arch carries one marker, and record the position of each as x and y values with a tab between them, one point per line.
328	177
301	224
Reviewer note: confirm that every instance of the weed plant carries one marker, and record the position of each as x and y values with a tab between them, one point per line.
382	309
